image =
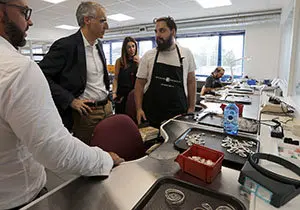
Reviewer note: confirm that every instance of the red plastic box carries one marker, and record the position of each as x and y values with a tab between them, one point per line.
202	171
240	106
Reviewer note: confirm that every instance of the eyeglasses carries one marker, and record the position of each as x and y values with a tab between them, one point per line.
102	20
26	11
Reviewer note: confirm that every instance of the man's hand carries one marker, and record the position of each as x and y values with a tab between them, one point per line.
139	115
117	160
80	106
191	110
114	96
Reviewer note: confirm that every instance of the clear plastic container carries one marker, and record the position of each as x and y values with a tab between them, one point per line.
231	119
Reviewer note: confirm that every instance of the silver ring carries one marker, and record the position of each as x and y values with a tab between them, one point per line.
224	208
174	196
206	206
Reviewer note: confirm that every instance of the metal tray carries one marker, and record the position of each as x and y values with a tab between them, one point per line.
195	196
237	98
241	90
213	140
246	125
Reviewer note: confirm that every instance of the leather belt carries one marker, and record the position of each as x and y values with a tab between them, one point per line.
101	103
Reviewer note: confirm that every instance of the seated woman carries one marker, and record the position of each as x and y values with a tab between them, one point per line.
125	74
212	82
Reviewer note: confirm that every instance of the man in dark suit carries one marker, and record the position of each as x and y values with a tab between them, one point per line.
75	68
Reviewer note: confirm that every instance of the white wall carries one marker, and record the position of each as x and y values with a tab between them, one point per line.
45	34
296	79
291	18
262	44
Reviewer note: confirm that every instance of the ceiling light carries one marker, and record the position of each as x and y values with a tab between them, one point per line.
120	17
214	3
67	27
54	1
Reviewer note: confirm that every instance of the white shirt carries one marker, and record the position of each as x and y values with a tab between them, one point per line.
32	134
95	87
167	57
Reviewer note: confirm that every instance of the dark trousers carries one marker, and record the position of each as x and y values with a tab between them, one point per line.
120	106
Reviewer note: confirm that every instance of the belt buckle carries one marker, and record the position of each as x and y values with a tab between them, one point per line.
101	103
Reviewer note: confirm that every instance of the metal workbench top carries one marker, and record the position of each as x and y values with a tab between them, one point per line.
128	182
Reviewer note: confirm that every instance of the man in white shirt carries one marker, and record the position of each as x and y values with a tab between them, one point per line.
165	85
75	68
32	134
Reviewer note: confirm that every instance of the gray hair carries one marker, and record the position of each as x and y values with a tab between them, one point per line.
87	8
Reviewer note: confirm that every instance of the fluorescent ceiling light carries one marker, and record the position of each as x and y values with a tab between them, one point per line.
120	17
54	1
67	27
214	3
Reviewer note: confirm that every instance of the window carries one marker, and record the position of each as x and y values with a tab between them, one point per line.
232	54
211	49
144	46
25	51
112	49
106	49
37	50
116	48
205	51
38	58
216	49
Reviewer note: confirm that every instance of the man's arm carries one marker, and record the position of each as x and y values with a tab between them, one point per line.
34	119
191	82
115	81
141	81
51	65
205	90
208	86
191	85
139	95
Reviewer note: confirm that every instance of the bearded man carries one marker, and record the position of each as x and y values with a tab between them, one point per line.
165	85
32	135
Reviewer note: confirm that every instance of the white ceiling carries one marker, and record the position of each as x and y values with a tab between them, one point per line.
47	15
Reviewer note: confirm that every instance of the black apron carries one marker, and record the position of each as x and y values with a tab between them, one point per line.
165	97
126	81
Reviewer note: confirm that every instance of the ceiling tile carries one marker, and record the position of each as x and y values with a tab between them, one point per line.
120	7
38	4
173	2
143	4
47	15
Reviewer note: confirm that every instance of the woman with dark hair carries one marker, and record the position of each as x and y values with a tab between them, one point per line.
125	73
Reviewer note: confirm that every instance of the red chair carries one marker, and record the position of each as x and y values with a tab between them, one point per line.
130	108
119	134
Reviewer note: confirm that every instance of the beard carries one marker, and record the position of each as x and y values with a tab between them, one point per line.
15	35
164	44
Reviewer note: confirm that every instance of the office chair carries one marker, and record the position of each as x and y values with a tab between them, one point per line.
119	134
